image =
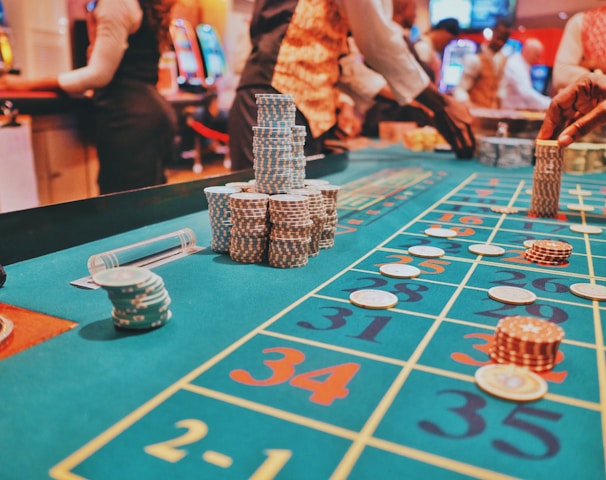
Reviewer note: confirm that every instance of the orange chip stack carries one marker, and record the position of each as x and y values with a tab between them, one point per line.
549	252
527	341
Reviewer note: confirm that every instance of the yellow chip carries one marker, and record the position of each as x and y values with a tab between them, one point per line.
511	382
397	270
590	291
529	243
6	328
512	295
373	299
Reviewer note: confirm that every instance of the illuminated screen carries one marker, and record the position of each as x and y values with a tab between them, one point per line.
213	56
472	14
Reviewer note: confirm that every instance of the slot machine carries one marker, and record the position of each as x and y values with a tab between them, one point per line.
213	55
190	68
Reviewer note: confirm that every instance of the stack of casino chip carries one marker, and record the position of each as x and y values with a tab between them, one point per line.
272	142
250	227
547	179
317	214
219	216
290	231
298	156
138	295
327	239
549	252
527	341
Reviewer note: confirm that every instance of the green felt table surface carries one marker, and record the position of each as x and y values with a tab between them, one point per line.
271	373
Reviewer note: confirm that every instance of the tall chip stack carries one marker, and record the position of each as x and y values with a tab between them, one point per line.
327	239
273	143
317	214
290	231
547	179
250	227
219	216
298	156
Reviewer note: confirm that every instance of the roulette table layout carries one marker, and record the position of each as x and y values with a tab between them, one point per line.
267	372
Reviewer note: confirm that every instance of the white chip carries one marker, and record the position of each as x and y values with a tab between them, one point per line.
512	295
397	270
373	299
511	382
577	207
580	193
440	232
586	229
486	250
589	290
529	243
426	252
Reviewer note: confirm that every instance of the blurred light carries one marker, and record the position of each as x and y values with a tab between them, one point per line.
487	32
563	16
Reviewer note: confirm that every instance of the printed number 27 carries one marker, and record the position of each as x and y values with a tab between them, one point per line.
333	385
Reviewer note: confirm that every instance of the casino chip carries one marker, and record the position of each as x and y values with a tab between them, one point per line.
590	229
373	299
504	209
440	232
527	342
512	295
2	276
549	252
486	250
138	295
397	270
426	252
6	328
589	291
511	382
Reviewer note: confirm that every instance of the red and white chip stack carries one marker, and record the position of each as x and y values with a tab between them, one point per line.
547	179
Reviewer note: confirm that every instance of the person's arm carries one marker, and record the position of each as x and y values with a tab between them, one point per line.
116	20
576	110
383	47
567	66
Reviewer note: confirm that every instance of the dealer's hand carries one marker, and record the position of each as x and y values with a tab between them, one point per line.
576	110
452	119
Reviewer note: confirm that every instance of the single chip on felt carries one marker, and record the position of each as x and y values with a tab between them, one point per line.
425	251
2	276
511	382
589	291
586	229
440	232
512	295
504	209
373	299
397	270
486	250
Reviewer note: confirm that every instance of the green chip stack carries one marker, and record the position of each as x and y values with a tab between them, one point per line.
138	295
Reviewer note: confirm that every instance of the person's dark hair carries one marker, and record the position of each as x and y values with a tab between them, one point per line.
157	13
451	25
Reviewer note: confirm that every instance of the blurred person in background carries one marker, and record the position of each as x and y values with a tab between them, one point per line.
516	90
135	126
483	71
296	45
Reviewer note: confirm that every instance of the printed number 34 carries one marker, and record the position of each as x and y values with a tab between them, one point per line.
332	386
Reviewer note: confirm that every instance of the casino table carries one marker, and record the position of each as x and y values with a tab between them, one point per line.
267	372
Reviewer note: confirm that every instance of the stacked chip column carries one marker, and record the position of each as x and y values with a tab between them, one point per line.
219	216
298	156
272	143
547	179
327	239
317	214
250	227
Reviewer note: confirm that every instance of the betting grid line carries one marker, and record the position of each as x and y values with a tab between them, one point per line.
88	449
